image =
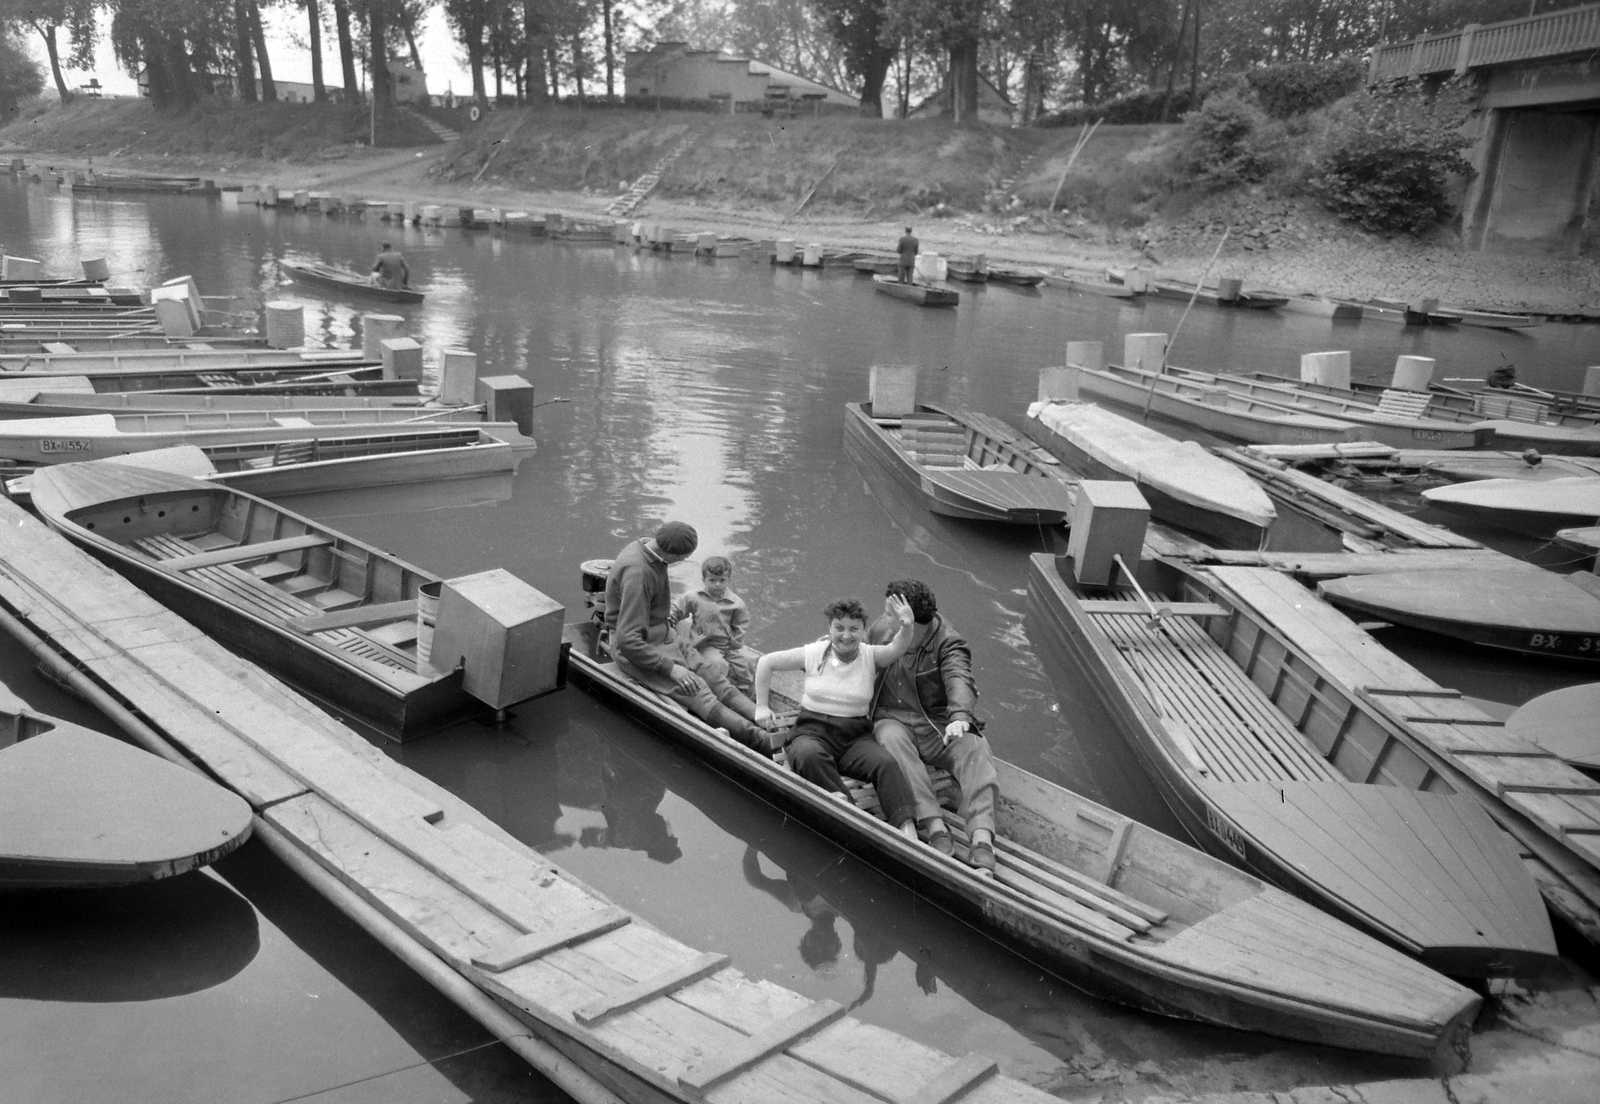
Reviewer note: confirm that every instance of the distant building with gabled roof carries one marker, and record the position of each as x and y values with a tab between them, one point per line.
672	71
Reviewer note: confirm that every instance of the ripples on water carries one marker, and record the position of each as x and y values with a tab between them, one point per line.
713	392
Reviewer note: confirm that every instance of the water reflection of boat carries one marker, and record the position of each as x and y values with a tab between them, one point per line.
1113	905
332	613
1315	795
341	279
964	465
83	809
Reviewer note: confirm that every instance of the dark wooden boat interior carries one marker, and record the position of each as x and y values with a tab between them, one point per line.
274	566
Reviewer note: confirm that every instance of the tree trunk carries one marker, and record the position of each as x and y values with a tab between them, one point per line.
577	66
611	57
538	75
872	82
411	39
1177	57
378	69
963	82
905	81
244	53
475	63
1194	72
347	51
269	91
553	61
319	90
1033	70
48	32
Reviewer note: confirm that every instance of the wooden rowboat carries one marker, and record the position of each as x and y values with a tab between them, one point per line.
1563	723
1018	277
967	271
925	295
1210	407
274	469
1400	418
1111	905
1520	609
1227	723
1185	485
335	615
99	436
83	809
962	465
1537	508
1447	744
342	279
881	263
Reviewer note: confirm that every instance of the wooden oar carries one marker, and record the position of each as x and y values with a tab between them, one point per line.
1195	294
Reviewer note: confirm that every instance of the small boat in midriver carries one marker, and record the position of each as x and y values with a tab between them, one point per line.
342	279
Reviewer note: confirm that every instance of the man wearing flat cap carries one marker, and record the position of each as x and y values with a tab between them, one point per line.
638	602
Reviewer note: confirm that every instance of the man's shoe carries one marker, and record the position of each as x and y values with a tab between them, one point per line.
980	856
943	843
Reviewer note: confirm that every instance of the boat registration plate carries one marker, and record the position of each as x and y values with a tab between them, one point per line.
1572	644
65	444
1231	837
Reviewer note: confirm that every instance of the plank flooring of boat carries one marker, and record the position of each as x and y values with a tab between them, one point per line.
1460	735
263	598
429	862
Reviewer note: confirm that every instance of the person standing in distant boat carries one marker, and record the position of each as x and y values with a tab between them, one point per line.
908	248
390	269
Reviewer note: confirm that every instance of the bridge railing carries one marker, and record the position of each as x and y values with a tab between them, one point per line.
1548	35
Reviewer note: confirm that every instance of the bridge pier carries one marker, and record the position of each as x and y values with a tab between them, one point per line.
1536	172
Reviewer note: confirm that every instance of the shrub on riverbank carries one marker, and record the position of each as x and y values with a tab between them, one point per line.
1390	156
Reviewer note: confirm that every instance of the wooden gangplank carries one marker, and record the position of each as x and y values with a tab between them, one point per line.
653	1019
1550	808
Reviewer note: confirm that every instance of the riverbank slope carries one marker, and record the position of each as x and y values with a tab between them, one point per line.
845	182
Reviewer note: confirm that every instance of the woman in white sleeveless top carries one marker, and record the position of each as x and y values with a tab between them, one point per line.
833	734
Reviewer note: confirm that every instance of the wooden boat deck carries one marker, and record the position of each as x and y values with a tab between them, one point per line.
644	1014
1152	911
1233	722
1551	809
966	465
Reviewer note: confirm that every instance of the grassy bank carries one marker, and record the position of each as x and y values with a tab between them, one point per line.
215	128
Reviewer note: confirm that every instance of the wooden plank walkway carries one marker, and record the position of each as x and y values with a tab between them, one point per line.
654	1019
1552	809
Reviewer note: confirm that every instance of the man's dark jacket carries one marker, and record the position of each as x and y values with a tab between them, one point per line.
942	667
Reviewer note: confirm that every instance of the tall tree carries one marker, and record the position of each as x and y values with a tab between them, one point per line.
45	18
858	27
611	55
955	26
244	52
468	18
20	78
347	51
319	89
409	14
178	44
269	90
378	68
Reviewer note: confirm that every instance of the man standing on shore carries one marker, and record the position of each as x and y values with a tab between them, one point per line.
908	256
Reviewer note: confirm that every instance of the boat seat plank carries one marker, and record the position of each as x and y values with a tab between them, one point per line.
273	569
651	988
1086	898
361	617
1138	609
1349	655
1088	885
1529	775
1068	909
538	944
259	551
759	1046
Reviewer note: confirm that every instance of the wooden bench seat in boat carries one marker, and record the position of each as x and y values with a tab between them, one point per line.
259	551
278	601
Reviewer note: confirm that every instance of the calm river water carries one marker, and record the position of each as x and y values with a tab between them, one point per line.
711	392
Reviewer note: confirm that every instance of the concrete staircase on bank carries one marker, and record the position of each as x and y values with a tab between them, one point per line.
626	203
440	131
